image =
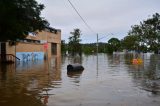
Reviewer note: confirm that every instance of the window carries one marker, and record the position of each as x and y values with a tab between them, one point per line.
54	48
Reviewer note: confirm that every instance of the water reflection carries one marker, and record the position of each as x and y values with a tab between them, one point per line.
75	76
114	59
75	59
29	82
119	82
147	75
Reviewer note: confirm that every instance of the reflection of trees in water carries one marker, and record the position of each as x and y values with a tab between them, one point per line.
14	91
18	97
55	69
151	80
128	58
75	75
147	75
28	87
76	58
64	57
3	72
114	59
151	71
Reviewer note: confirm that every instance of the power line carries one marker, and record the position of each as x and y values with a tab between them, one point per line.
80	16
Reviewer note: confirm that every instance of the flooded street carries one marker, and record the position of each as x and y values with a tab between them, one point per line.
107	80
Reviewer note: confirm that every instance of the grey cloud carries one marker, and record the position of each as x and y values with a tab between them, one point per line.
104	16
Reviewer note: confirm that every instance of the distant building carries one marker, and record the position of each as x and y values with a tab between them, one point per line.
40	45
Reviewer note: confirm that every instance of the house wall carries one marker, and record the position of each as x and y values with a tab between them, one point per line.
59	49
29	47
31	50
10	49
47	36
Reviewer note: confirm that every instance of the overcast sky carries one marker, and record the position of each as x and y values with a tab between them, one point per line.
103	16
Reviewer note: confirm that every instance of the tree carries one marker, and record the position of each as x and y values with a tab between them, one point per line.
63	46
114	43
88	48
19	17
147	33
74	45
130	42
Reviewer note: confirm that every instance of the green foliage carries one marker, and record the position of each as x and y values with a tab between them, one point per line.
110	49
114	44
74	45
88	48
146	34
92	48
63	46
143	37
18	17
102	47
130	42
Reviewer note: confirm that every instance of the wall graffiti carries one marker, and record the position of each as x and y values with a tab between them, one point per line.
30	56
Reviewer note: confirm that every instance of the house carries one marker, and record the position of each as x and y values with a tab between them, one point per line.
36	46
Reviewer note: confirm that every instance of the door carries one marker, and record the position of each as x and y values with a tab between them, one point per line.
3	51
54	49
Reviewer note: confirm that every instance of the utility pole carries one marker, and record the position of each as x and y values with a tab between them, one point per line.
158	28
97	53
97	43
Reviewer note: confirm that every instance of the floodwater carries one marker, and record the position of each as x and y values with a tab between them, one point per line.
107	80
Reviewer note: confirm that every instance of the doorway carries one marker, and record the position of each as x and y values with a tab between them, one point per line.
3	51
54	48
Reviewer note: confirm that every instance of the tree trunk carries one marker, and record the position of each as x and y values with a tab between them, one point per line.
3	52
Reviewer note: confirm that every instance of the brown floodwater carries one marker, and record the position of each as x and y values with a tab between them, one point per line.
107	80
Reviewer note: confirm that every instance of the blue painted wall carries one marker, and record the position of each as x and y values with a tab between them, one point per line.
28	56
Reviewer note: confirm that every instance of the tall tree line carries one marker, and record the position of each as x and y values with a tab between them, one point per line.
141	38
145	36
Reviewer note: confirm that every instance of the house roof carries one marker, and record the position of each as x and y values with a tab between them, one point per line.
52	29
